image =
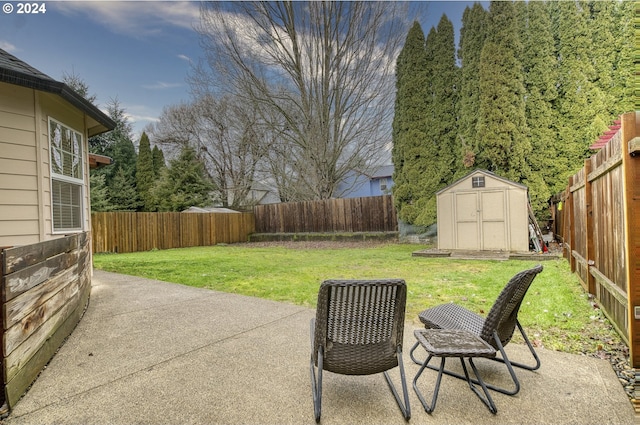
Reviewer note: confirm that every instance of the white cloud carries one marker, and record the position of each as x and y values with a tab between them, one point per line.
161	85
184	58
135	18
8	47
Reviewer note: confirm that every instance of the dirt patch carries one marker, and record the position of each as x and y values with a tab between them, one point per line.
317	244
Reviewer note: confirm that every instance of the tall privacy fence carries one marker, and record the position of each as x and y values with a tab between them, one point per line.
139	231
367	214
135	231
45	289
599	223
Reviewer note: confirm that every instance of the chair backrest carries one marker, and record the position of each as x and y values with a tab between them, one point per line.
360	324
504	313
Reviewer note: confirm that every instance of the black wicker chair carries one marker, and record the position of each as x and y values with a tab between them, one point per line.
358	330
496	329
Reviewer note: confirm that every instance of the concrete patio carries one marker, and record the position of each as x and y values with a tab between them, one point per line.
149	352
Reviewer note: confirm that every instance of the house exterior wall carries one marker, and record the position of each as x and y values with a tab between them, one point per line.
493	217
19	169
25	186
360	186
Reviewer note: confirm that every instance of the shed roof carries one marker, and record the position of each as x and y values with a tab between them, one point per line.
486	173
14	71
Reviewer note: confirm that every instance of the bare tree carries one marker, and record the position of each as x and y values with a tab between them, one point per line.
224	134
320	74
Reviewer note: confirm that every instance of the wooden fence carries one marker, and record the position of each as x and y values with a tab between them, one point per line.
45	289
368	214
599	214
133	231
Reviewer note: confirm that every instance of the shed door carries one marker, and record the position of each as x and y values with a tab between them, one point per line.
493	221
467	228
481	221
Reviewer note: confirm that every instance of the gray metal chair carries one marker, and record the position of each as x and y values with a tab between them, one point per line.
358	330
496	329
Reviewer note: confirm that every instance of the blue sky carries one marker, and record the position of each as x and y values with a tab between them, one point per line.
139	52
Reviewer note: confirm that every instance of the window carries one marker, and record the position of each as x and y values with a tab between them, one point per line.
477	181
383	184
66	177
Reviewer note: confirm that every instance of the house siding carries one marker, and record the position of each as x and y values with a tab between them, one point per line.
25	185
19	212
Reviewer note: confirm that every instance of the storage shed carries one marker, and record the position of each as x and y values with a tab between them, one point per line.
483	212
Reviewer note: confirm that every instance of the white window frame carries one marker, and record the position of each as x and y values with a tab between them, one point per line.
75	182
383	184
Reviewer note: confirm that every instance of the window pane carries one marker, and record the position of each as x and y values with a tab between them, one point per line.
67	208
66	151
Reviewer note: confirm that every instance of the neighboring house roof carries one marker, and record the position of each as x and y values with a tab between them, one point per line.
209	210
606	136
384	171
486	173
14	71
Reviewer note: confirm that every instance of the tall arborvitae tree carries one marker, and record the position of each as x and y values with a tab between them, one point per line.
184	184
437	159
472	37
409	123
624	46
576	104
445	97
502	129
539	63
145	174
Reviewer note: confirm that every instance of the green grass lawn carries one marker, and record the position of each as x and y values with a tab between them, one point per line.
556	312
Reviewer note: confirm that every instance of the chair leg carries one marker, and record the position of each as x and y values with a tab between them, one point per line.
487	400
436	389
404	408
531	350
413	349
316	384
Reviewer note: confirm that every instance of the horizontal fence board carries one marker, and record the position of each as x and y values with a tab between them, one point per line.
43	299
145	231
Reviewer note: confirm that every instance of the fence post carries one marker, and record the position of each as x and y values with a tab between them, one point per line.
631	176
589	254
570	231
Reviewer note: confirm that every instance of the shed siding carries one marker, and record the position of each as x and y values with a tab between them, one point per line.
519	219
19	212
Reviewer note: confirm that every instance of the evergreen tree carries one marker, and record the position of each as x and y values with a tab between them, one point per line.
502	129
409	123
158	161
122	193
145	174
624	46
539	62
436	166
444	74
472	37
576	104
183	184
99	193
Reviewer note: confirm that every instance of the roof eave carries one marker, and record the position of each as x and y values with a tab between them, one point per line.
67	93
